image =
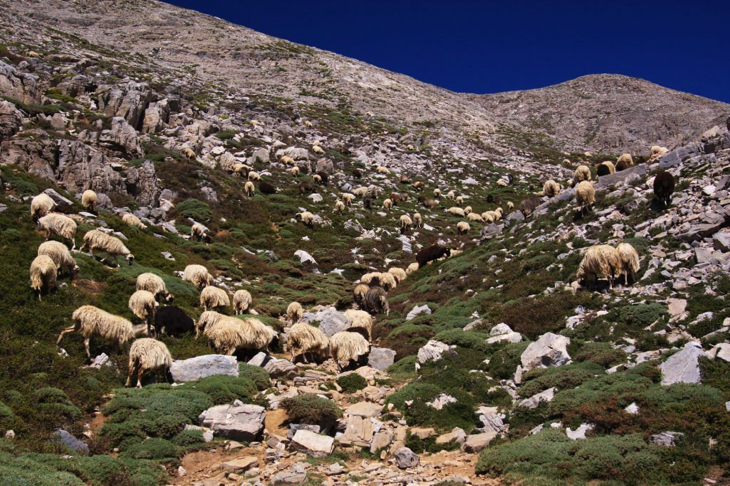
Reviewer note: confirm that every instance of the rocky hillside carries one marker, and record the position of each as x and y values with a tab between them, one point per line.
494	363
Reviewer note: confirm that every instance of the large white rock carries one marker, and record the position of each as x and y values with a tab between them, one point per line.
418	310
238	421
201	366
477	442
534	400
432	350
684	366
549	350
315	445
330	320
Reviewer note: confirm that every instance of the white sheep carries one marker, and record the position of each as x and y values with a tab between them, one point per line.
294	171
41	205
624	162
411	268
148	354
90	320
629	261
199	233
339	206
437	193
368	277
359	292
60	225
306	217
388	204
89	200
582	173
360	322
456	211
254	176
550	188
227	334
599	260
451	195
417	220
286	160
303	338
398	274
198	275
348	346
405	222
657	153
510	205
317	179
111	245
467	210
294	312
213	297
317	150
242	301
463	227
58	252
382	170
132	220
360	191
347	198
475	217
143	305
387	281
263	335
585	196
459	201
249	188
154	284
43	274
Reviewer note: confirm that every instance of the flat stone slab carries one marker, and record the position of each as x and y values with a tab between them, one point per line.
203	366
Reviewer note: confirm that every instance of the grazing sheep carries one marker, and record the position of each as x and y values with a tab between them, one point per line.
582	173
200	233
376	301
498	214
242	301
394	198
510	205
398	273
294	171
417	220
657	153
467	210
527	206
254	176
629	261
317	150
154	284
173	321
249	189
599	260
267	188
323	177
360	321
148	354
585	196
89	200
90	320
371	278
358	293
502	183
306	217
308	124
263	335
488	216
550	188
58	252
456	211
242	170
387	204
437	193
143	305
663	188
213	297
605	168
316	179
303	338
411	268
405	223
286	160
463	227
430	254
475	217
491	198
428	203
356	174
305	187
198	275
132	220
43	274
451	195
347	198
404	179
58	224
624	162
459	201
41	205
419	186
382	170
111	245
227	334
348	346
387	281
294	312
339	206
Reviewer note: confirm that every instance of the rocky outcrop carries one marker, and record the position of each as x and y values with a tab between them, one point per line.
23	87
10	120
238	421
201	366
128	102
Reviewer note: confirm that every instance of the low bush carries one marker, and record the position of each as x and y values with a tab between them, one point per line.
352	382
224	389
258	375
311	409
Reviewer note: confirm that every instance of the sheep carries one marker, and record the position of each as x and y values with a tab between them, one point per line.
242	170
405	223
628	260
428	203
213	297
657	153
467	210
303	338
324	178
510	205
200	233
502	183
356	174
348	346
371	278
382	170
411	268
550	188
498	214
242	301
387	281
89	200
605	168
360	191
624	162
373	191
376	301
347	198
317	179
173	321
148	354
404	179
488	216
463	227
456	211
294	171
358	293
111	245
43	274
417	220
263	335
437	193
527	206
227	334
459	201
317	150
582	173
286	160
663	188
308	124
254	176
451	195
305	187
294	312
398	274
132	220
339	206
58	224
154	284
599	260
58	252
90	320
306	218
430	254
387	204
419	186
143	305
249	189
360	321
267	188
475	217
394	197
198	275
491	198
585	196
41	205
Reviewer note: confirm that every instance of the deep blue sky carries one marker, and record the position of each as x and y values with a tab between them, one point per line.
485	47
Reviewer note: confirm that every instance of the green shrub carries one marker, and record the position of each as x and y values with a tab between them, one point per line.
600	353
224	389
466	339
504	362
258	375
311	409
195	209
563	377
188	438
153	449
54	401
352	383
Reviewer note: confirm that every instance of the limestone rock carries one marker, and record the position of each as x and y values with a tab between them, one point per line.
315	445
478	442
406	458
684	366
330	320
381	358
549	350
238	421
201	366
432	350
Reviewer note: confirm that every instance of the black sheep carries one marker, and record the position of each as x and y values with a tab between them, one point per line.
266	188
305	187
173	321
357	174
528	205
376	301
663	188
430	254
603	169
324	177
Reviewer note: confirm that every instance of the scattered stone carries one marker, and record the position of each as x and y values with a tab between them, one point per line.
666	439
238	421
241	465
71	442
684	366
381	358
315	445
202	366
549	350
580	432
406	458
478	442
432	350
418	310
534	401
294	475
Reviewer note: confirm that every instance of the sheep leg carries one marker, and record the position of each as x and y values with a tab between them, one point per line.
168	376
139	376
73	244
130	372
86	346
65	331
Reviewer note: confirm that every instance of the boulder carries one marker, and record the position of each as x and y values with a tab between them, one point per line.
62	204
364	409
71	442
294	475
381	440
201	366
313	444
665	439
123	136
534	401
684	366
418	310
432	350
156	116
721	351
10	119
406	458
381	358
260	155
238	421
330	320
457	435
549	350
477	442
21	86
579	433
241	465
